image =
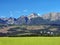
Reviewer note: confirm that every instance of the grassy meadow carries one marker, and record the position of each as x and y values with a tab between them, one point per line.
29	40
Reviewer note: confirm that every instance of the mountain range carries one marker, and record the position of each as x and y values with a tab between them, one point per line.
33	19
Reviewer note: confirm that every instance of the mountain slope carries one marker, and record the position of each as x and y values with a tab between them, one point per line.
33	19
52	18
22	20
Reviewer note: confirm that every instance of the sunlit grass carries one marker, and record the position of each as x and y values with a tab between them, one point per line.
29	40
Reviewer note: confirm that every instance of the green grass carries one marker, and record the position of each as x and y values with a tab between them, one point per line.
29	40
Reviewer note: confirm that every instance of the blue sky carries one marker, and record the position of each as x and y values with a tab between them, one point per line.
16	8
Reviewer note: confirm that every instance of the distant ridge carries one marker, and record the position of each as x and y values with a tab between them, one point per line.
33	18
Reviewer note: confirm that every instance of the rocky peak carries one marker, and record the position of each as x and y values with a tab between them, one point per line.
52	16
32	15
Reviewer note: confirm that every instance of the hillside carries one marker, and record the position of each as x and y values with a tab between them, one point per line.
31	25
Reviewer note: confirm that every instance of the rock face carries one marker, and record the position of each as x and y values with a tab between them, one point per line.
22	20
7	20
32	19
37	21
2	21
11	20
27	19
53	18
33	15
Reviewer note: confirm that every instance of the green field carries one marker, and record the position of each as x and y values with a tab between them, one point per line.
29	40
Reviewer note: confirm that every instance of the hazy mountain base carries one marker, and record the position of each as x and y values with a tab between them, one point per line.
29	30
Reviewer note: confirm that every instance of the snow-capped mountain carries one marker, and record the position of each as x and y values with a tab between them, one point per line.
32	15
33	18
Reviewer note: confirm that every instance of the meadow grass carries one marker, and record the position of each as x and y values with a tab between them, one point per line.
29	40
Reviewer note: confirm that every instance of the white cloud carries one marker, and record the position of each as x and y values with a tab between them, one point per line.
38	14
2	16
25	10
